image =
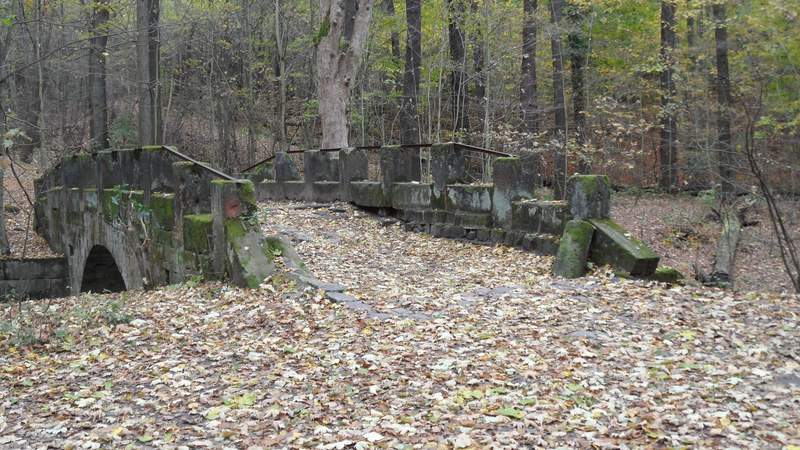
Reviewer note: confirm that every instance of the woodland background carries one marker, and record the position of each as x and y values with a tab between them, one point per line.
637	84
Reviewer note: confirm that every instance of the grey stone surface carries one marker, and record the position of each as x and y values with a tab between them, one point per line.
469	198
616	247
33	278
589	197
411	195
539	216
507	180
447	167
320	166
285	168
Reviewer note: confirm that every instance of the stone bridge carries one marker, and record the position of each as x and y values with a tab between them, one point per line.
130	219
435	193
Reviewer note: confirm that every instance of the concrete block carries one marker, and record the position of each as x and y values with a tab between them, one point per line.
447	167
614	246
285	168
539	216
320	166
507	178
589	197
411	195
573	250
469	198
369	194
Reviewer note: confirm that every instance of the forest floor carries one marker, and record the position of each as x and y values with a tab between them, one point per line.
450	345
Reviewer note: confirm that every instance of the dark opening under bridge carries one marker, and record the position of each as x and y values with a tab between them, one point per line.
132	219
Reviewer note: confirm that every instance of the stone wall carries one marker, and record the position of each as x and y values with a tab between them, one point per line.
33	278
505	211
162	220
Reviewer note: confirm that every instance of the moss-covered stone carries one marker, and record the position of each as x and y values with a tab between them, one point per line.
573	249
614	246
666	274
110	205
162	206
196	232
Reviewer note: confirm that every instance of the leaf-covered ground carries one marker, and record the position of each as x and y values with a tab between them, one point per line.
451	345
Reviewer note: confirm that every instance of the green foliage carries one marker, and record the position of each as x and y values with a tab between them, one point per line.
122	131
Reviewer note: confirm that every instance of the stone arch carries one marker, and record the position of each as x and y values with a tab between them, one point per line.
101	272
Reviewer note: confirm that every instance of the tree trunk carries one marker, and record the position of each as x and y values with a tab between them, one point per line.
459	62
388	7
478	62
98	102
668	176
578	56
723	87
5	249
147	48
409	123
560	114
725	260
528	90
340	45
280	73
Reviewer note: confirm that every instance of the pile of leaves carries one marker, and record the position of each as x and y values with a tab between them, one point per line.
496	353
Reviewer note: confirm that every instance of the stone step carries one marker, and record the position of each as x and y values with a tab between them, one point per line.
539	216
369	194
614	246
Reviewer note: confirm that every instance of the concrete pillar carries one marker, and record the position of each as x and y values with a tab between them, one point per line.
589	197
447	167
507	177
353	166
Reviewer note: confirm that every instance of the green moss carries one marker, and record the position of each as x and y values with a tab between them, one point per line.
163	208
622	251
110	209
573	249
234	229
666	274
196	230
247	192
152	148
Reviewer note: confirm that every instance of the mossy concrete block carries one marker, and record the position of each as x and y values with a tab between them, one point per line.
614	246
369	194
589	197
320	166
666	274
411	195
573	250
197	230
447	167
475	198
250	255
270	190
163	208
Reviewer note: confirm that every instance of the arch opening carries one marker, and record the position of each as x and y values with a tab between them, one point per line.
100	273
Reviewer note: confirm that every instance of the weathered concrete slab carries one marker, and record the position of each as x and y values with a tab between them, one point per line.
508	182
616	247
469	198
369	194
411	195
573	250
285	168
447	167
540	216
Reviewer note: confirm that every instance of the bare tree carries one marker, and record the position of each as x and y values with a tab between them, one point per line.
559	108
340	43
148	48
528	90
578	45
98	103
669	128
409	123
458	58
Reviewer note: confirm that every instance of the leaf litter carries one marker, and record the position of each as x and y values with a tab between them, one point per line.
502	356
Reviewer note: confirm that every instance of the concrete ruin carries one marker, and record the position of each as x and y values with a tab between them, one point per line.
132	219
506	211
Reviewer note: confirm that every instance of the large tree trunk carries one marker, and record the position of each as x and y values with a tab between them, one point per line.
478	62
388	8
409	123
723	87
341	42
528	90
458	59
560	114
578	56
668	176
147	49
98	102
